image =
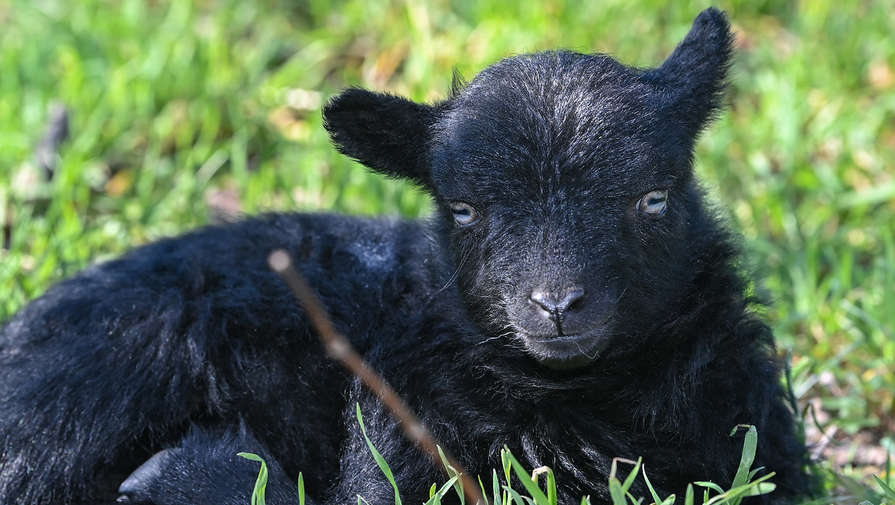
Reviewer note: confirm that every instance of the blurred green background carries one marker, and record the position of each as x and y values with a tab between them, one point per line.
183	111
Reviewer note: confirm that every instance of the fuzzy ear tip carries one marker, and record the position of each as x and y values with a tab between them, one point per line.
712	24
343	101
713	16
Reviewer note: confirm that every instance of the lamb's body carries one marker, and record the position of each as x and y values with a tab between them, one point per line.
572	299
195	329
201	332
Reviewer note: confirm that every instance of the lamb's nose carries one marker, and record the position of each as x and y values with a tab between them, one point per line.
555	303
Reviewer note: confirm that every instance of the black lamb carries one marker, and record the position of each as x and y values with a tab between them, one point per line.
572	298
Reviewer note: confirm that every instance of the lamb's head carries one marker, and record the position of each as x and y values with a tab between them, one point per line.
563	183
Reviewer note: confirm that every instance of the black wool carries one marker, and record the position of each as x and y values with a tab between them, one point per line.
573	298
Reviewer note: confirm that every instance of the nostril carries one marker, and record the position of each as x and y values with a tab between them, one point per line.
554	303
543	300
573	297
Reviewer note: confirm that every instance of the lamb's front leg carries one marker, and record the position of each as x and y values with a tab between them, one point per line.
361	476
205	469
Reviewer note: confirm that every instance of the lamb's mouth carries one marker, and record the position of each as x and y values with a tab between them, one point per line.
565	351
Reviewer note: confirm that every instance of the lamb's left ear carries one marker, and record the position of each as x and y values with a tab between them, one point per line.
387	133
691	81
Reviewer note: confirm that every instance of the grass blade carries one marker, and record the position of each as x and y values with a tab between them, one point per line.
383	465
482	488
531	486
887	490
515	496
436	494
709	485
649	485
629	480
750	444
452	472
615	492
261	481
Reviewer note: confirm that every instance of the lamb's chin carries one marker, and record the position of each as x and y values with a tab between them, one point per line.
565	351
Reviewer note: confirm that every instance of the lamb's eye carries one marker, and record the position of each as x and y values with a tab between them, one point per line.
464	214
653	203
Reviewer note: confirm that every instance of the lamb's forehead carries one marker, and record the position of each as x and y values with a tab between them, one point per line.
552	97
552	70
549	81
556	110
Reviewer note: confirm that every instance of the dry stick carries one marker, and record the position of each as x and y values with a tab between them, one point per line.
338	347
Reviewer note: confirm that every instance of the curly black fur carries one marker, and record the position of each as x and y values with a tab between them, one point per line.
542	308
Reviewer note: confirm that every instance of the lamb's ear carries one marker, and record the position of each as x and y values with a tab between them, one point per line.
692	79
384	132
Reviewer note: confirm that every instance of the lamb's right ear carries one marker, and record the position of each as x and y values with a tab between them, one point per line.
387	133
692	79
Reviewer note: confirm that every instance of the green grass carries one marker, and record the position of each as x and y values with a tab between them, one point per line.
747	482
175	104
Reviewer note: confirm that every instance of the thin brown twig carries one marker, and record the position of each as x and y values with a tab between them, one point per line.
339	348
